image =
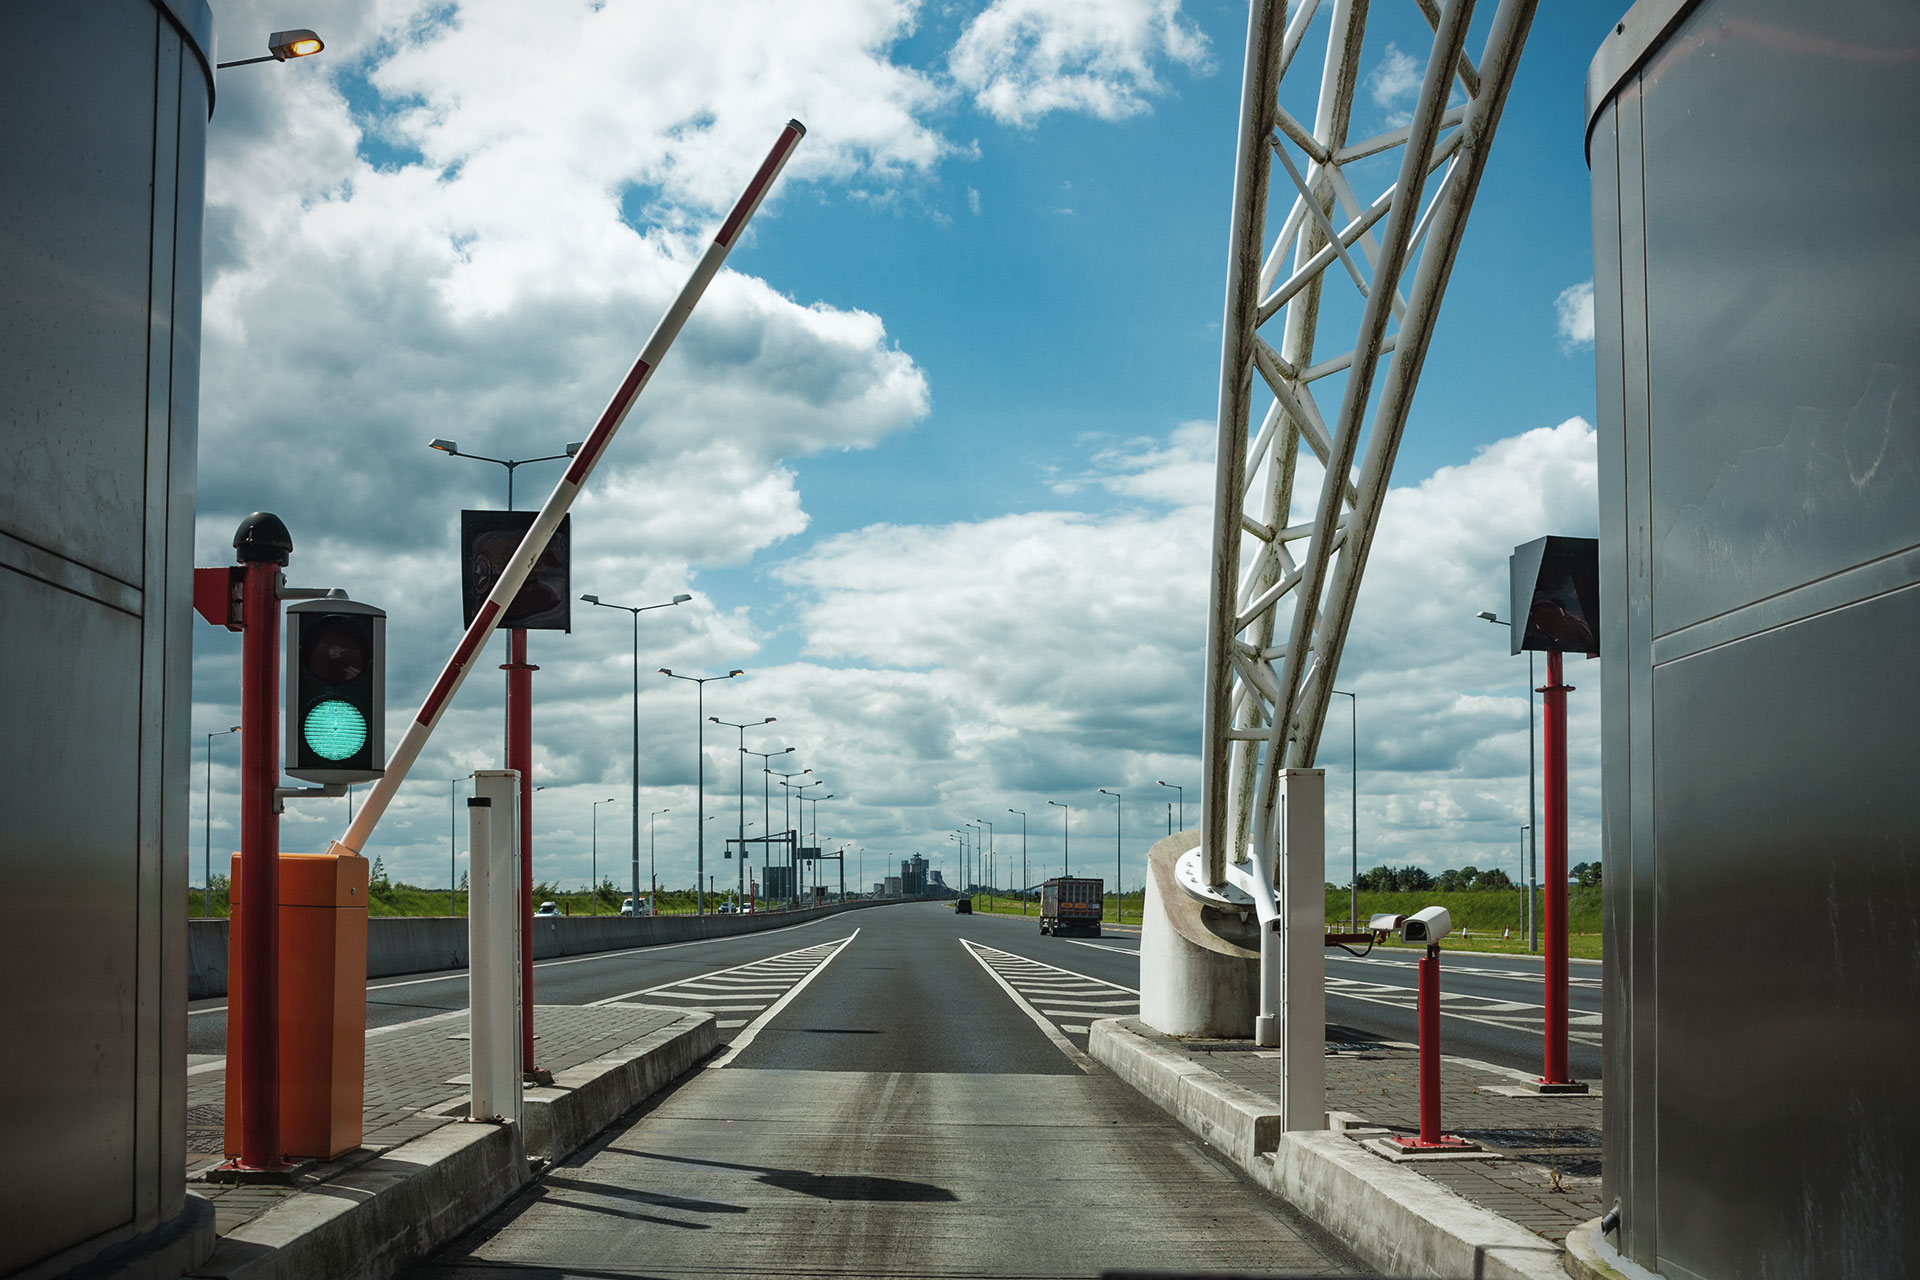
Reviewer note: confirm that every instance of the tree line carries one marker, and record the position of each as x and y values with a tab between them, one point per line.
1468	879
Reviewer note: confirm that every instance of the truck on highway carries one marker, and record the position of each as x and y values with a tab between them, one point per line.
1071	903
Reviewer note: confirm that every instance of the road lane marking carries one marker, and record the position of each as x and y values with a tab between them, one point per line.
1507	1015
1099	946
783	962
1046	1026
746	1037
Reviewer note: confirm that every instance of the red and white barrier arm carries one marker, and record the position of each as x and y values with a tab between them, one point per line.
564	493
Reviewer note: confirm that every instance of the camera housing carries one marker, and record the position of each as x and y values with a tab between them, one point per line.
1384	923
1428	926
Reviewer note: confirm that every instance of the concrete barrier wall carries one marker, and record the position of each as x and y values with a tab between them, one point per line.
428	944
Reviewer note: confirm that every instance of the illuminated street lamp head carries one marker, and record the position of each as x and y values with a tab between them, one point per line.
666	671
735	672
444	446
297	43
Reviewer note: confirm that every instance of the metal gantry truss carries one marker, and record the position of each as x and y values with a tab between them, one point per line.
1270	672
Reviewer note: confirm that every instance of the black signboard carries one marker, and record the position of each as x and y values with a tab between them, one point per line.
1556	595
488	540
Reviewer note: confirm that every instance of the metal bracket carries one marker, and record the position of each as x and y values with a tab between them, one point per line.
281	795
1236	894
311	593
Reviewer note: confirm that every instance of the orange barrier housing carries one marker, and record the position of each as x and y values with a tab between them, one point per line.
323	1004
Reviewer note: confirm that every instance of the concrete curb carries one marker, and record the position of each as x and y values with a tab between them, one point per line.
1237	1121
585	1099
1591	1257
1391	1217
379	1218
376	1220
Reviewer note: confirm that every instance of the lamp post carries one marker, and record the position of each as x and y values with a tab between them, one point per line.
207	865
1180	793
282	46
453	849
1117	874
1025	887
1533	821
1066	862
793	842
1353	885
766	800
990	867
633	794
1526	890
653	868
973	831
817	782
741	893
700	710
595	877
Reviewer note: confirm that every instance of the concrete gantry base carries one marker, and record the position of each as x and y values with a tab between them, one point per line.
1199	966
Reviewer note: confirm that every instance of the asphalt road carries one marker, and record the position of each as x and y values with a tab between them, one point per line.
900	1098
1491	1007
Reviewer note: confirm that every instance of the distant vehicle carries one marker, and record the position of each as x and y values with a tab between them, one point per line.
1071	903
548	909
726	909
628	907
963	906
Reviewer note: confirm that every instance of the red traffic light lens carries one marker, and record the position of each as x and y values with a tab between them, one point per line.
337	650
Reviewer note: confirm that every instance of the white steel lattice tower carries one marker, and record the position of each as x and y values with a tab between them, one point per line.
1284	588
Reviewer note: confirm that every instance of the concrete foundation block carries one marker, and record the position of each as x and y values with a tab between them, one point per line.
1199	967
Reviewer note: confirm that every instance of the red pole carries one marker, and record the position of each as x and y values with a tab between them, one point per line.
520	757
1555	943
259	1013
1429	967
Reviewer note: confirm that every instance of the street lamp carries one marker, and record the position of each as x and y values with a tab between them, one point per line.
596	853
766	802
989	827
741	893
1024	886
1533	827
282	46
519	738
700	709
1353	885
1180	794
792	841
817	782
634	793
653	870
1066	864
1117	874
207	867
452	449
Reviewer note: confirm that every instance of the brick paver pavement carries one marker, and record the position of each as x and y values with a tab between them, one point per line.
1545	1168
414	1084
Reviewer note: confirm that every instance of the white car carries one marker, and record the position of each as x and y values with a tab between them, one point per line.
630	908
547	909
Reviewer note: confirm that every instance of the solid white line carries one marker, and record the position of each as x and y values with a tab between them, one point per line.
1097	946
1046	1026
746	1037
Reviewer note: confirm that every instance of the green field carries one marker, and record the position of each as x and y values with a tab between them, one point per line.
412	900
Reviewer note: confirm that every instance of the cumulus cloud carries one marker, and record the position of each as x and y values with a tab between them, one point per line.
1393	83
1573	315
1022	59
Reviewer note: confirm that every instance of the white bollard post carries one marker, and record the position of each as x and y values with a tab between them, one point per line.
1303	931
493	944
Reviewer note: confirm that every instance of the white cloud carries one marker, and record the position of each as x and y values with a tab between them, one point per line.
1021	59
1393	83
1573	315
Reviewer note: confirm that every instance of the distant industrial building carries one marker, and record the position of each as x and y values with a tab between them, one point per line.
913	876
892	887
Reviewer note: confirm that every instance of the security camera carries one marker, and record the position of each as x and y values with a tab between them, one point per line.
1383	924
1428	926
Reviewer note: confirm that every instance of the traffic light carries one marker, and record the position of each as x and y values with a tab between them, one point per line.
336	691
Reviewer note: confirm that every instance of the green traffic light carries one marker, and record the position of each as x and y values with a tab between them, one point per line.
334	729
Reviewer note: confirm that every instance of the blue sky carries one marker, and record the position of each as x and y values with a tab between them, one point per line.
927	456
